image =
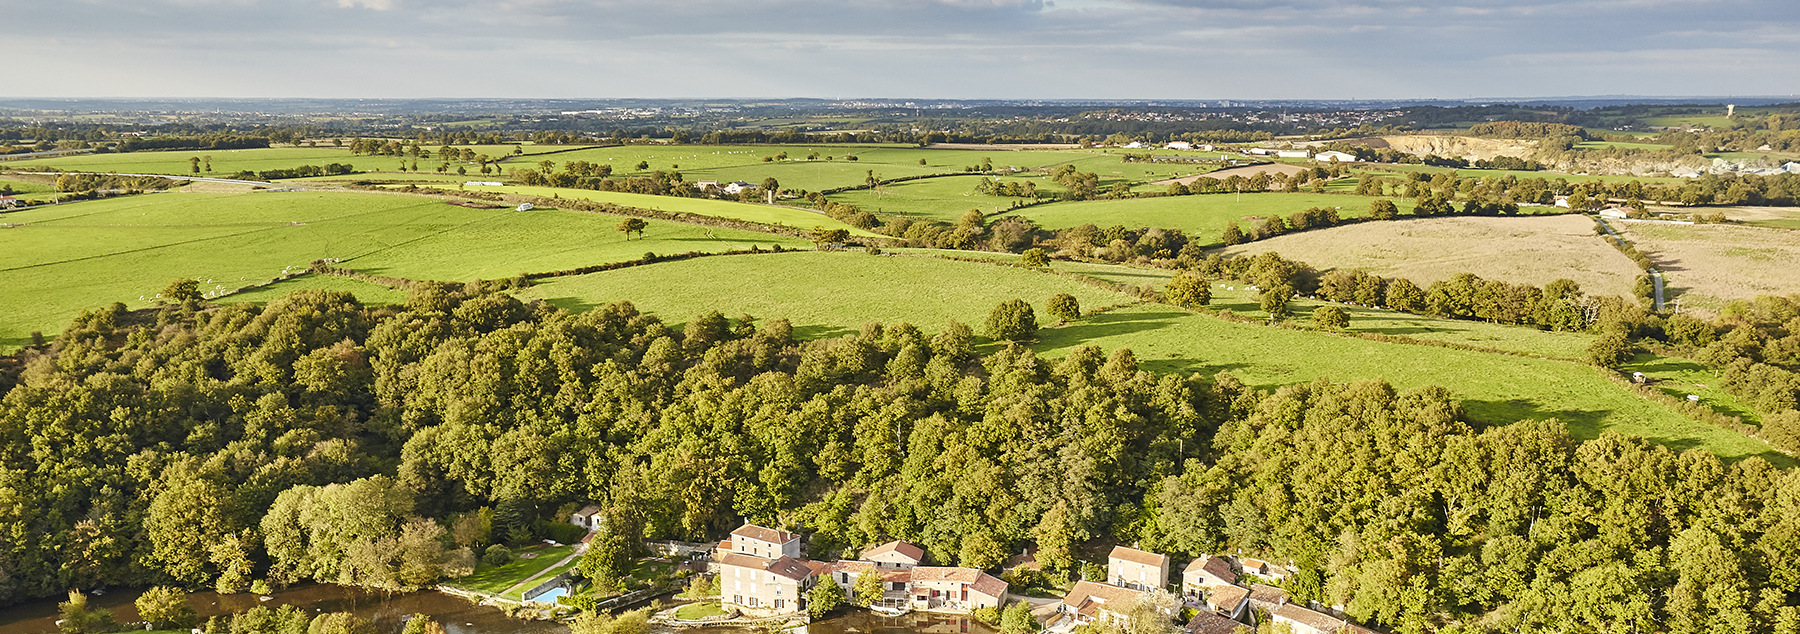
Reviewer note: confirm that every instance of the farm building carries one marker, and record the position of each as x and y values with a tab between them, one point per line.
8	201
1179	145
484	183
1614	212
738	187
1334	156
1290	153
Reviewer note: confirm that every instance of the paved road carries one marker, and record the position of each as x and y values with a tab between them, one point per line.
199	179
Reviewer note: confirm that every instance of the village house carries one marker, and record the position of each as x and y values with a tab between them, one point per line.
1206	572
706	185
1262	568
758	541
738	187
1091	601
1267	598
895	554
765	586
1137	569
955	589
588	517
894	583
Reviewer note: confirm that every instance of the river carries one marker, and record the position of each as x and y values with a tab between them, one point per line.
458	615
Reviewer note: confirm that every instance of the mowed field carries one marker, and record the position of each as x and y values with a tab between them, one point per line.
1495	389
60	260
1203	215
821	293
1706	266
224	162
1524	249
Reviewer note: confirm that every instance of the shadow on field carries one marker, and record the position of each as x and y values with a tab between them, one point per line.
1583	425
1107	325
572	304
820	332
1190	366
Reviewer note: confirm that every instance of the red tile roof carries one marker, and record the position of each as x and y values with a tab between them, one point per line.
1209	623
791	568
1211	565
1227	597
1091	591
988	585
1309	618
936	573
743	561
1139	556
912	552
771	535
1268	594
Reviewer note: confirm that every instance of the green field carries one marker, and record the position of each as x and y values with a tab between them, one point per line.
1601	145
944	199
80	256
224	162
1494	388
1687	120
1201	215
822	294
827	294
765	214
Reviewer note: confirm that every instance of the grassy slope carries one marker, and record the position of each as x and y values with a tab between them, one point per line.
1494	388
494	579
74	257
788	216
945	199
823	294
369	293
1203	215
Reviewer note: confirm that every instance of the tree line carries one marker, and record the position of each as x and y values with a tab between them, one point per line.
319	438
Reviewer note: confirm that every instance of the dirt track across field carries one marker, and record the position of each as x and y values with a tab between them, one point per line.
1246	172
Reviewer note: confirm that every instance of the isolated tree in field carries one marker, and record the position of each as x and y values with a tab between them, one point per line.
632	225
824	598
643	165
1232	235
1188	290
1012	320
182	291
771	185
163	607
921	161
207	162
1034	258
1331	318
1275	300
867	587
1405	296
1064	307
194	164
1383	209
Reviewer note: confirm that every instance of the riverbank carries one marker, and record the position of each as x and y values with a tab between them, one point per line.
458	614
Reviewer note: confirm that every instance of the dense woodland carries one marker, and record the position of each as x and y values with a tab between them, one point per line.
319	438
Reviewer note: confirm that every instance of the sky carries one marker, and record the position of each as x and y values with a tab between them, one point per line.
943	49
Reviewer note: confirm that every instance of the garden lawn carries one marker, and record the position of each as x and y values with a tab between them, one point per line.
1202	215
764	214
496	579
696	611
1495	389
822	293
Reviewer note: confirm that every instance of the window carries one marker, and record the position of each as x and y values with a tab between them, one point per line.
738	599
778	604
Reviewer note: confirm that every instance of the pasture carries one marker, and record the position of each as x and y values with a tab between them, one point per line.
1495	389
765	214
944	199
822	293
63	259
224	162
1201	215
1525	249
1706	266
367	292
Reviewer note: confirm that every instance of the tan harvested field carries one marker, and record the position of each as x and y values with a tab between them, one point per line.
1708	265
1246	172
1009	147
1533	250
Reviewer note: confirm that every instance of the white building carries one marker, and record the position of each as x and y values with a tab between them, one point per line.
1334	156
737	187
1291	153
1179	145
